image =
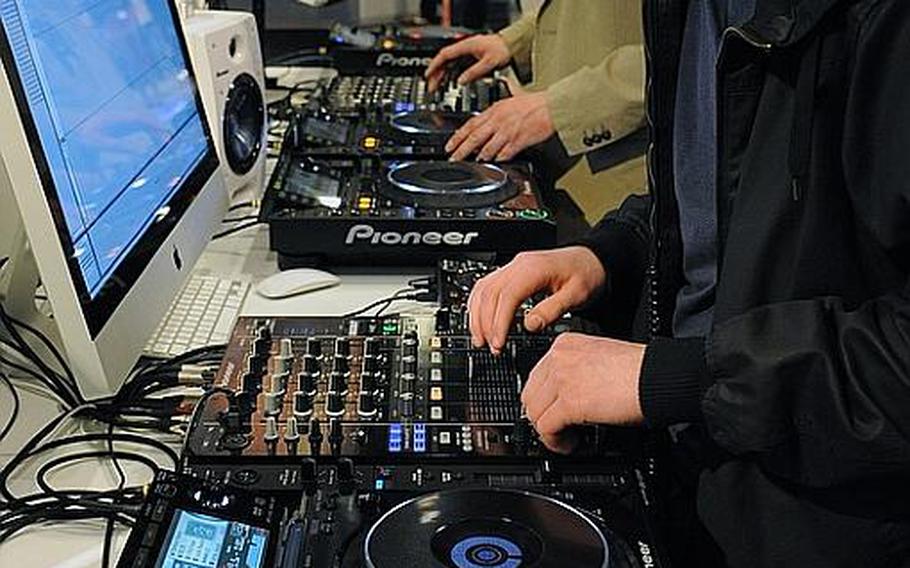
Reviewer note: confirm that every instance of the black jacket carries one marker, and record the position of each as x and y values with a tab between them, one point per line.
803	385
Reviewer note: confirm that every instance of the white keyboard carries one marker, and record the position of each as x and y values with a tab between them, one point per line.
203	314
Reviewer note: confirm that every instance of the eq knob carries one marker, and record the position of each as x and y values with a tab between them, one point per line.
368	383
342	347
255	365
273	402
251	383
303	404
371	347
315	436
370	364
291	435
307	382
280	383
334	404
314	347
341	365
285	360
338	383
366	405
336	435
271	430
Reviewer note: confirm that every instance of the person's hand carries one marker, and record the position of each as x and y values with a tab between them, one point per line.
571	275
504	129
489	50
583	380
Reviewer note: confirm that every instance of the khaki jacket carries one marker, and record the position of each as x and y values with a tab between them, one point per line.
588	56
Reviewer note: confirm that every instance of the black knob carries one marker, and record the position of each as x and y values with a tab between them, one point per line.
315	436
262	347
303	404
334	404
368	383
370	364
308	470
251	383
342	347
314	347
341	365
371	347
521	435
346	475
336	436
338	383
366	404
256	365
307	383
244	402
311	364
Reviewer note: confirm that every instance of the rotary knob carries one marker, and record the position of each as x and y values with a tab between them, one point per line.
371	347
366	405
338	383
334	404
341	365
342	347
368	383
314	347
303	404
307	383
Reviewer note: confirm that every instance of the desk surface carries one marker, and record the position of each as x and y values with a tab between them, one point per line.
243	255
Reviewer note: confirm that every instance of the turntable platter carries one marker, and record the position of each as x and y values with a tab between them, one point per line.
448	184
485	528
429	122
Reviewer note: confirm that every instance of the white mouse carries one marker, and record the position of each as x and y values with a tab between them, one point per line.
297	281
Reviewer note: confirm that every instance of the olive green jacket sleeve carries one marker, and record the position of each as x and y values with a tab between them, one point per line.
519	38
599	104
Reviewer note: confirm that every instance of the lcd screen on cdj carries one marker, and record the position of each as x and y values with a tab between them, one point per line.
114	106
200	541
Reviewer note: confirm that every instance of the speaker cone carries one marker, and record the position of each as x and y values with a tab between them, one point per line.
244	124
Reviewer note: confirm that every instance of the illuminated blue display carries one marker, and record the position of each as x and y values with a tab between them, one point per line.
396	437
420	437
114	106
486	551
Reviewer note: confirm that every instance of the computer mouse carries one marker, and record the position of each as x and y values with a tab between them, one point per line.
297	281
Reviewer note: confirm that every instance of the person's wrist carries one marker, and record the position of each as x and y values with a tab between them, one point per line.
594	270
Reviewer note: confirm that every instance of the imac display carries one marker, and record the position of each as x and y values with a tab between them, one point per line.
109	156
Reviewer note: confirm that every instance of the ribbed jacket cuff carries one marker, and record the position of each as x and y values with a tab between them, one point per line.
673	381
622	252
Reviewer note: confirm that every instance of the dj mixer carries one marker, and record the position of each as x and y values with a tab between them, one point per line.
391	442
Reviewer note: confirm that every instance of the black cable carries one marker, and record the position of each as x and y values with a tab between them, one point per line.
233	230
121	476
16	404
65	386
47	343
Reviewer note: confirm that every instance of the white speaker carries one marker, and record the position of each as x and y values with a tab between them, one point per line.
224	47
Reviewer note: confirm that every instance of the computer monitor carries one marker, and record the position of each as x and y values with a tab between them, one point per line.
107	155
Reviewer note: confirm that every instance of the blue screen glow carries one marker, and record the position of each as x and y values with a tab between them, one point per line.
114	105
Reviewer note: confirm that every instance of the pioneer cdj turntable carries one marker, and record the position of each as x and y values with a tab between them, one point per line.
388	116
391	516
349	211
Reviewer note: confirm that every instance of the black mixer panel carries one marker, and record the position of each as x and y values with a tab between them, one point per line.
408	387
